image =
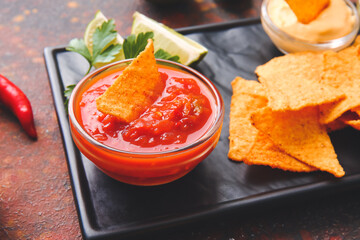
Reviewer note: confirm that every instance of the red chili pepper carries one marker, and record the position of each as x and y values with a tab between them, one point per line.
12	97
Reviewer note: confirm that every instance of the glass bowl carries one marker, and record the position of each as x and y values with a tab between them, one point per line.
289	44
145	168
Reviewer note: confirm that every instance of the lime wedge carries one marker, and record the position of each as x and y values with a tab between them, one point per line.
98	20
189	51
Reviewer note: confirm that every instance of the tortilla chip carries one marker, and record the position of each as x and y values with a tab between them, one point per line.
307	10
292	82
138	86
335	125
342	72
356	110
247	97
353	123
351	119
299	134
264	152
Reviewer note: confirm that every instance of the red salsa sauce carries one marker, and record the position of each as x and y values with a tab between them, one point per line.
181	115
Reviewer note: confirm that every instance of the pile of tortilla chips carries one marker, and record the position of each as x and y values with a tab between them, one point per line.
283	120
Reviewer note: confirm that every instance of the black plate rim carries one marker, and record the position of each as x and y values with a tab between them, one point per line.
76	170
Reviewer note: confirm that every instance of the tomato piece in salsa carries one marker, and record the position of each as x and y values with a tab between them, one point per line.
182	114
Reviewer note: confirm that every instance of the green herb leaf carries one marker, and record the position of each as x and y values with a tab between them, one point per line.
108	54
103	49
167	56
133	45
67	93
78	45
103	36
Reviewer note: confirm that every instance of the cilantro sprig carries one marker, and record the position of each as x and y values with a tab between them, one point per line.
162	54
133	45
105	50
67	94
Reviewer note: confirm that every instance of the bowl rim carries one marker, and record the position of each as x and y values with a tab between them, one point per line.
323	44
213	128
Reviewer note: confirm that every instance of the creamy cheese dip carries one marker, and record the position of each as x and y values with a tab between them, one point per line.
333	22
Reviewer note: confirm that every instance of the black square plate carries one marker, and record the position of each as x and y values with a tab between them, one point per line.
108	208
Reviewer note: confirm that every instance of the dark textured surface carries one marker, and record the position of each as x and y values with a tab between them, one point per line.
36	200
217	185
